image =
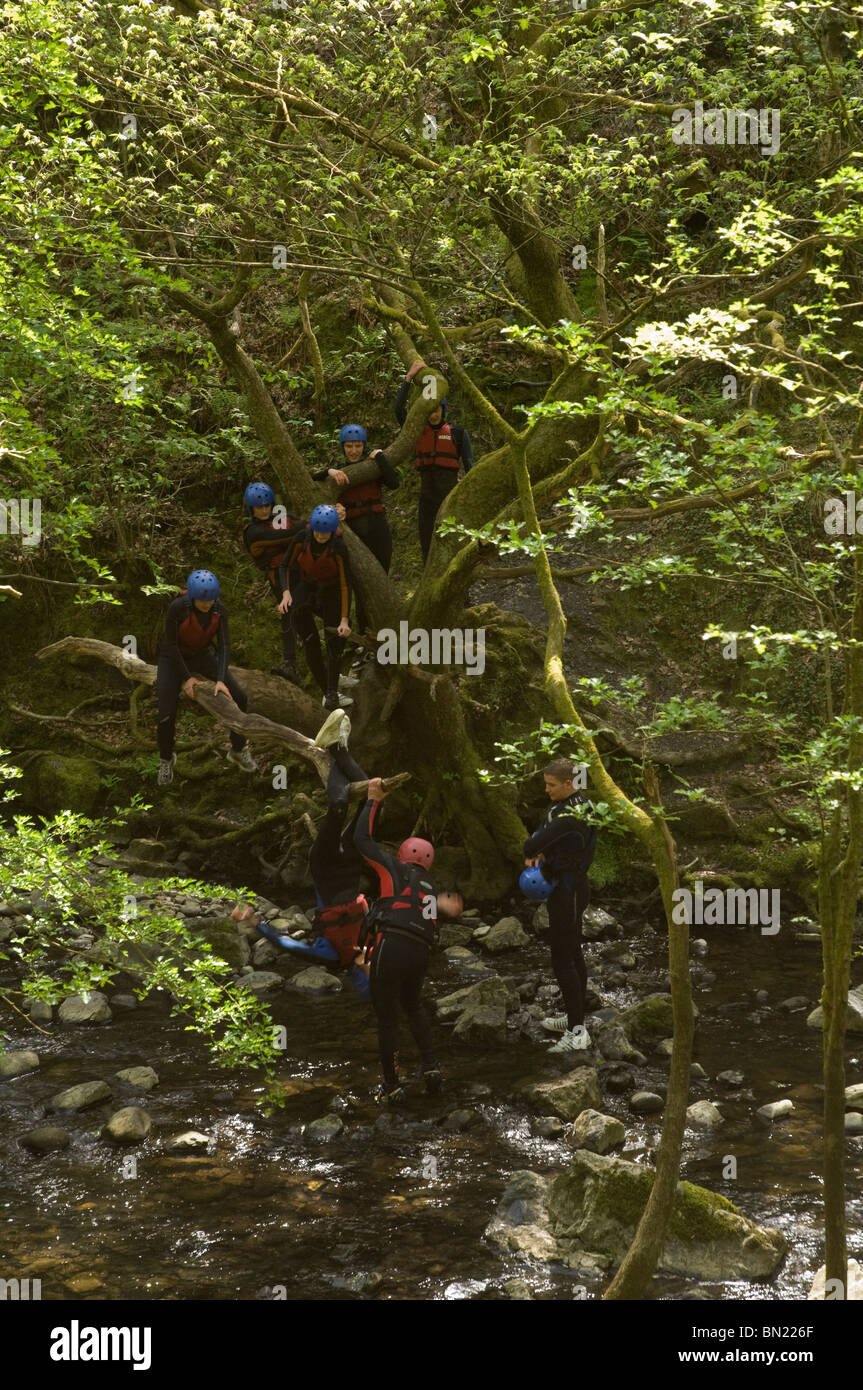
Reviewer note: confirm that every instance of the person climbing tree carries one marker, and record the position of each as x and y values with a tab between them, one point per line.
559	854
195	620
266	539
441	450
324	591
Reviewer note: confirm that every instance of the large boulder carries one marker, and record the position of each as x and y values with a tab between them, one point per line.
81	1009
56	783
505	935
647	1021
17	1063
491	992
521	1224
855	1012
568	1097
598	1204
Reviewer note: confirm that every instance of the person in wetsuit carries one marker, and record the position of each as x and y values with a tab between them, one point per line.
441	450
195	620
317	553
266	538
564	846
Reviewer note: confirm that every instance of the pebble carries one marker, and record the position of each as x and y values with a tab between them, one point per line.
646	1102
774	1111
17	1063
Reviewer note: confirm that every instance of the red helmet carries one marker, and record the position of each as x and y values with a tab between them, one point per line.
416	851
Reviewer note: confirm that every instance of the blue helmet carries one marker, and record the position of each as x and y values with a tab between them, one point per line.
202	584
442	404
258	495
324	518
350	433
534	884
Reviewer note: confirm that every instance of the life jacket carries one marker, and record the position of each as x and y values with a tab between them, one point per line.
361	499
191	637
320	569
341	926
405	910
436	448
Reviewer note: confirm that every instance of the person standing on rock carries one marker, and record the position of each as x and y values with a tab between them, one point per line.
266	539
195	620
442	449
563	847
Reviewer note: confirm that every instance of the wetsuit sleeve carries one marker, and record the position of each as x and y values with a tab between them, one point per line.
175	616
321	475
344	584
465	447
223	647
561	826
387	868
284	568
400	409
390	477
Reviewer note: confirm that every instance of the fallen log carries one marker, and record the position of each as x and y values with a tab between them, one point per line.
251	723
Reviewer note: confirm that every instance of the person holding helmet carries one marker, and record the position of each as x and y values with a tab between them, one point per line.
559	855
195	620
441	450
266	538
404	917
319	556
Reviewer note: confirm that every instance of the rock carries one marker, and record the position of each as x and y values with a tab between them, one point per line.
664	1047
697	1070
362	1282
17	1063
731	1080
540	918
596	923
854	1097
762	997
80	1097
315	979
492	992
569	1096
646	1102
264	981
853	1282
506	935
520	1226
325	1129
482	1023
454	934
853	1122
547	1127
45	1140
92	1009
613	1044
124	1001
704	1115
191	1142
617	1080
128	1126
648	1021
596	1132
265	953
517	1289
459	1120
54	783
774	1111
225	939
855	1012
142	1077
794	1005
39	1011
698	947
459	954
153	851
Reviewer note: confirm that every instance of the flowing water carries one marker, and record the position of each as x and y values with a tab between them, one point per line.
396	1206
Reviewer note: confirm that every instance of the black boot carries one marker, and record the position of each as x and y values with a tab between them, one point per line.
288	671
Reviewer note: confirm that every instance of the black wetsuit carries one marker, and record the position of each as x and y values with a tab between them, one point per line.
324	591
186	651
401	952
265	544
366	515
567	843
436	481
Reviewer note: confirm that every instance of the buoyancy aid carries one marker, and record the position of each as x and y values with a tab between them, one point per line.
341	926
191	636
436	448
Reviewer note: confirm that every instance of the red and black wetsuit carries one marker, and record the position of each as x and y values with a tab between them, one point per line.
366	515
567	843
441	450
324	591
404	916
186	650
265	543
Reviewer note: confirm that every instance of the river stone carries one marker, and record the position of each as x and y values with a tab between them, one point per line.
265	953
54	783
704	1115
459	1120
547	1127
699	946
540	918
492	992
520	1225
39	1011
191	1142
482	1023
613	1044
569	1096
143	1077
128	1126
313	980
325	1129
854	1097
646	1102
597	1205
731	1080
794	1005
79	1097
855	1012
153	850
94	1009
45	1140
853	1122
505	935
596	923
124	1001
618	1080
853	1282
597	1132
454	934
264	981
774	1111
664	1047
648	1021
16	1063
224	937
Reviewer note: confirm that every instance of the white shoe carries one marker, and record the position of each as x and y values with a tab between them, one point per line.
555	1023
166	770
243	760
336	728
348	682
575	1039
343	699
